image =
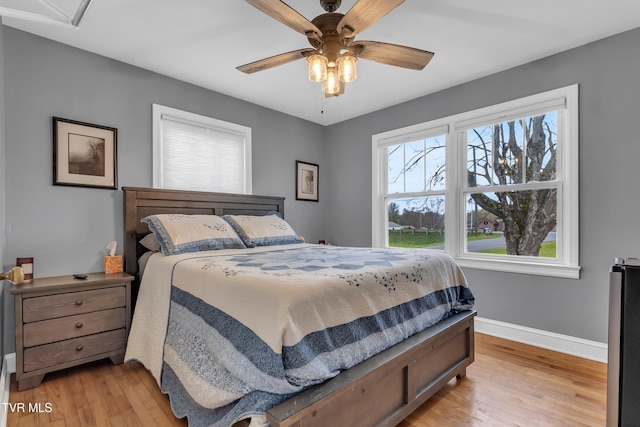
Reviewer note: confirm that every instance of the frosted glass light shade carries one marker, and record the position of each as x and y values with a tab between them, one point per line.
347	68
317	67
331	86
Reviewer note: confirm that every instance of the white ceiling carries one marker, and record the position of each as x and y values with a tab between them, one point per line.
202	41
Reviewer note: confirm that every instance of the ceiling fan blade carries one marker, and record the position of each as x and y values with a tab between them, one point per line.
393	54
274	61
283	13
365	13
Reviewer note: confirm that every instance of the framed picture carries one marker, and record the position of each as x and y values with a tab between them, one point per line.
306	181
27	267
84	155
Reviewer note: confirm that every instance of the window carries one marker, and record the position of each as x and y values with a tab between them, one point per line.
193	152
497	188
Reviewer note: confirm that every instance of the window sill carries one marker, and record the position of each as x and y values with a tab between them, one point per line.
509	266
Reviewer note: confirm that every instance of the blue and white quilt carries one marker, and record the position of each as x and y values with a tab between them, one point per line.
228	334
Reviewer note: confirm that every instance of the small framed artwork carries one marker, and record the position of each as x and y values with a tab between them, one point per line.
27	267
84	154
306	181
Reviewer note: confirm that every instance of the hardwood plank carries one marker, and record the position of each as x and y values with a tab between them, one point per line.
509	384
515	384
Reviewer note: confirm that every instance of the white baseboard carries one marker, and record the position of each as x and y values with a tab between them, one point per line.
567	344
8	368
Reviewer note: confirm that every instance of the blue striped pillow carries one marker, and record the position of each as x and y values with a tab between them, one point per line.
178	233
263	230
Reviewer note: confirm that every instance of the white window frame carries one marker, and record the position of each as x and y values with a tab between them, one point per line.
565	100
160	111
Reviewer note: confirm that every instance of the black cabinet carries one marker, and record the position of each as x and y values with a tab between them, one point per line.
623	375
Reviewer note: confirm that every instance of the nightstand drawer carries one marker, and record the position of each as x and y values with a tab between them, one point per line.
45	356
47	331
67	304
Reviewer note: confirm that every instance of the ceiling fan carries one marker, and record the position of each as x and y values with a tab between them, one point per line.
334	53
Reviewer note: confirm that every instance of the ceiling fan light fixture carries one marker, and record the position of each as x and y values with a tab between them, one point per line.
334	52
347	71
317	67
331	85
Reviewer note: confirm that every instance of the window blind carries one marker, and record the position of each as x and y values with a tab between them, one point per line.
200	158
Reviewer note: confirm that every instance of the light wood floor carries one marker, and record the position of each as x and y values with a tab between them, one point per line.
509	384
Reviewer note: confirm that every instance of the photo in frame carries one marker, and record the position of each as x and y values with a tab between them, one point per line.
26	263
306	181
84	154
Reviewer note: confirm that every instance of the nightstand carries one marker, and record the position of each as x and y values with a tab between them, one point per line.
63	322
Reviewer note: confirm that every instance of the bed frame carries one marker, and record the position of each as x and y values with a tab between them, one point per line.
382	390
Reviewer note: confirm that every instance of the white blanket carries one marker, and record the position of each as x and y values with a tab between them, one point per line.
286	317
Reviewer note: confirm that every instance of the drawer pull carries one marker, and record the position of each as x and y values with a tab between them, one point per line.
79	302
79	325
79	348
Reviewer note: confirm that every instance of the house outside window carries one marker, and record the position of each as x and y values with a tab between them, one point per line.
497	188
195	152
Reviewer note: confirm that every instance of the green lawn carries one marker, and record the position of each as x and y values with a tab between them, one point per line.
548	250
416	240
421	240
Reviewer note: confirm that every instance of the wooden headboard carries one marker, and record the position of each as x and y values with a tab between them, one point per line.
141	202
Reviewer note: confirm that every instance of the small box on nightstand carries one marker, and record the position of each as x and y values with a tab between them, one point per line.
113	264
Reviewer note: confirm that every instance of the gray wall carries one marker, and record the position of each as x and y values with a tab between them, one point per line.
607	72
66	229
2	195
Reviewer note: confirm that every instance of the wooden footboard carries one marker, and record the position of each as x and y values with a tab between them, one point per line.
383	390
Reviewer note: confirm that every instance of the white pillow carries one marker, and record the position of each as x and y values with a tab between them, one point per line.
263	230
150	242
178	233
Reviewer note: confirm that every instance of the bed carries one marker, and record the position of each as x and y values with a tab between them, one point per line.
275	367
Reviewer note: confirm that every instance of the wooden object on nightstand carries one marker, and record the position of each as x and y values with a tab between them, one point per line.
63	322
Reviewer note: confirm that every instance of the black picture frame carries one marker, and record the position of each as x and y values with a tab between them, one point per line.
306	181
84	154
